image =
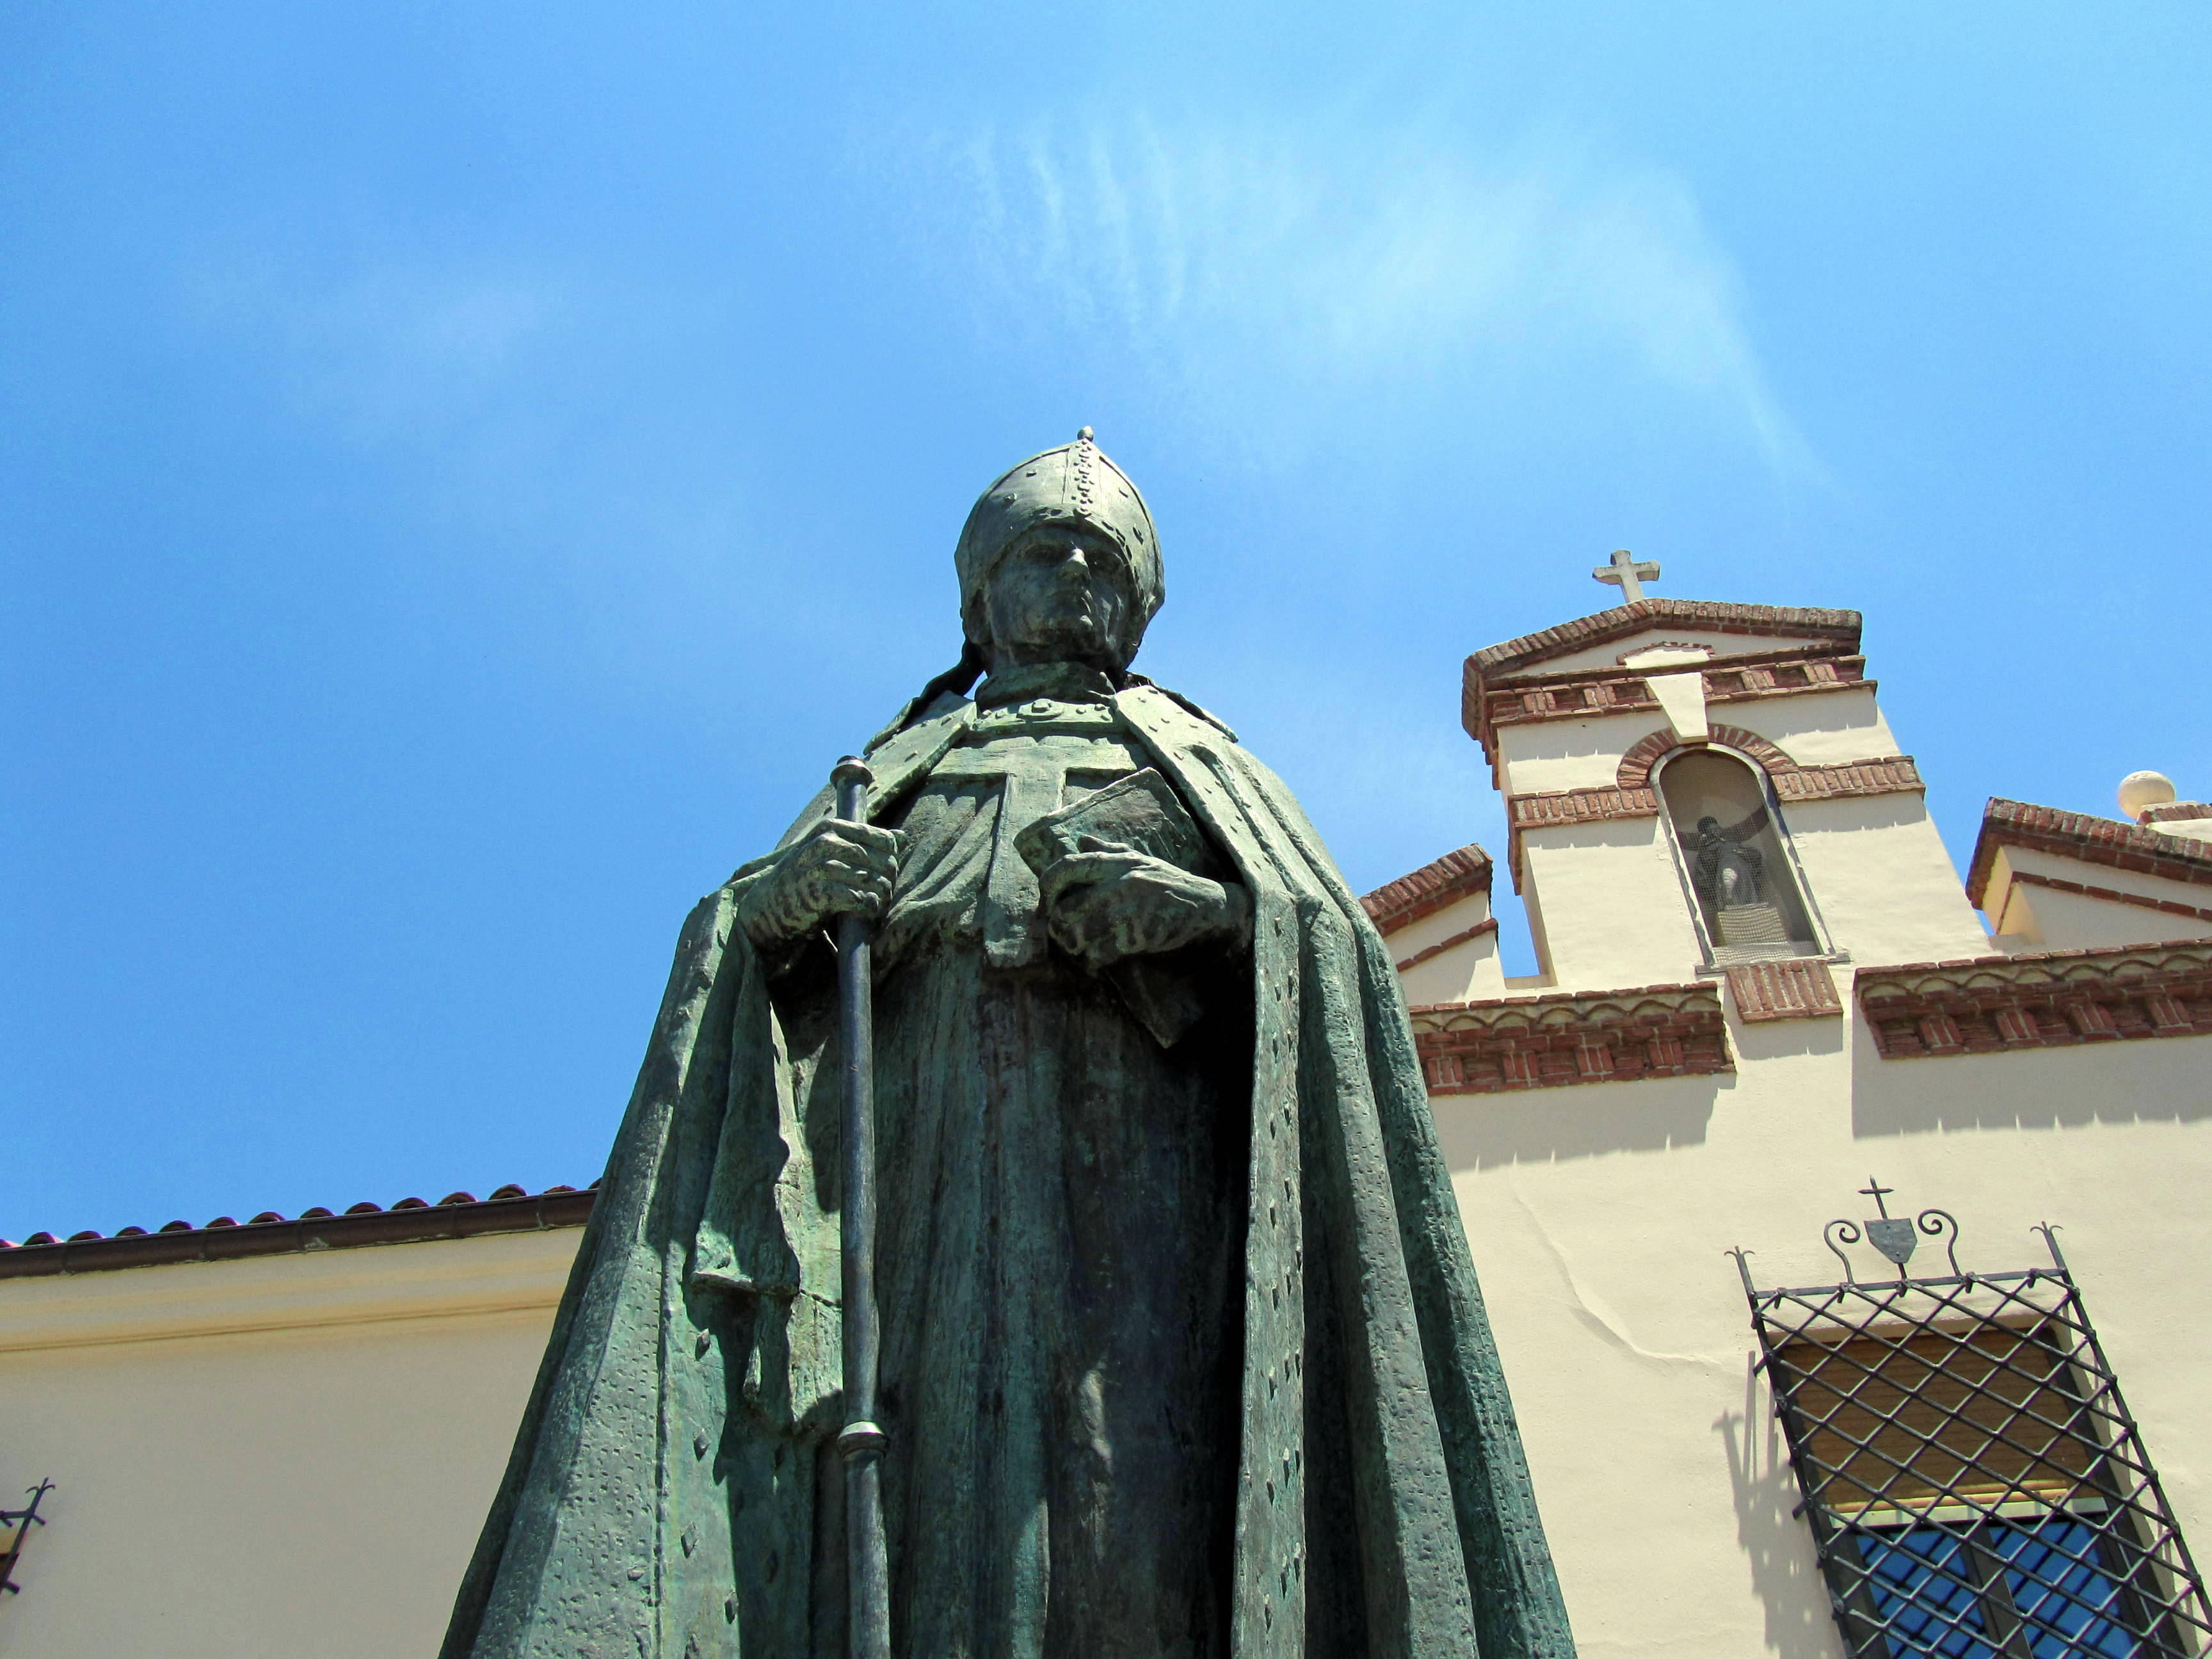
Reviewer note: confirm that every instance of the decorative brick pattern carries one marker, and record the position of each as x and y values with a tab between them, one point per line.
1839	628
1502	685
1430	889
1783	990
1589	693
1556	1042
2047	1000
1891	774
1579	807
2109	841
1433	951
1635	772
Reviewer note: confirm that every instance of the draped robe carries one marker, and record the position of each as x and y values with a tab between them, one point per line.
1184	1353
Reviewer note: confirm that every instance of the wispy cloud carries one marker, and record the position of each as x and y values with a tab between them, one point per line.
1298	261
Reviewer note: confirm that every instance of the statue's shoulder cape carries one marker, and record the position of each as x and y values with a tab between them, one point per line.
1368	1356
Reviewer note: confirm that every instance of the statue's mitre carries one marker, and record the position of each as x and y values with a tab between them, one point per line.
1075	483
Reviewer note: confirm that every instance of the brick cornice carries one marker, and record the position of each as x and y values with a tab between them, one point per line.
2042	999
1431	887
1837	628
1586	694
2177	811
2109	841
1502	1044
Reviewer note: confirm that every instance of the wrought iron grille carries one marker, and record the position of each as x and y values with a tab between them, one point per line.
15	1527
1975	1485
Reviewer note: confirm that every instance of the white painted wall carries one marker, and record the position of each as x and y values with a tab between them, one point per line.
1598	1216
1463	973
284	1456
1884	883
1548	755
2042	919
1615	914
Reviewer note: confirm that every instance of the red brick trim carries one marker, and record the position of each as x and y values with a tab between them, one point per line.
2113	894
2044	999
1783	990
2077	835
1428	890
2177	811
410	1221
1633	797
1636	765
1839	627
1512	1043
1590	693
1892	774
1431	952
1579	807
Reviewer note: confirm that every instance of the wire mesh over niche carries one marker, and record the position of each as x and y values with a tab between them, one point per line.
1976	1488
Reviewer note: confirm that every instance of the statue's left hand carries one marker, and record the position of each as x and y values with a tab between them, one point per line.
1105	902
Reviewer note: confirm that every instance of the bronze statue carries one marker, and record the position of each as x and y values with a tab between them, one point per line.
1182	1353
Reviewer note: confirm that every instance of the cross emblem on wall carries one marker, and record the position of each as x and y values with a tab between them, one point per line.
1627	574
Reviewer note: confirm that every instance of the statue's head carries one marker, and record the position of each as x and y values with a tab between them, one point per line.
1059	562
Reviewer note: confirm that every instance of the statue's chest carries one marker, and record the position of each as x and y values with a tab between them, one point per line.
1012	767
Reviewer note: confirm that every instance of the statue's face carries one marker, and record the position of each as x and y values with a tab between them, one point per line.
1060	594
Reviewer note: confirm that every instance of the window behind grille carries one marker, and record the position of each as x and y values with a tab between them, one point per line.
1976	1488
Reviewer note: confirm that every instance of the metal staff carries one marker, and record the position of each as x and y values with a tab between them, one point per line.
868	1566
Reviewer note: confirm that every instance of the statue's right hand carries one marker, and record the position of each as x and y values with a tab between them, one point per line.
834	869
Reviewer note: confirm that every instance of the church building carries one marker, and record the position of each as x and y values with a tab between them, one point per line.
1833	1201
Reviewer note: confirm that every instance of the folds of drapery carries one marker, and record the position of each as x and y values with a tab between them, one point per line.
663	1481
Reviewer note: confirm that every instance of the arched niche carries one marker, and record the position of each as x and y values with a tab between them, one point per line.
1735	857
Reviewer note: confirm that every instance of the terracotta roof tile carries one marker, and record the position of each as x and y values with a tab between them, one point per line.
2110	842
410	1220
1711	616
1429	889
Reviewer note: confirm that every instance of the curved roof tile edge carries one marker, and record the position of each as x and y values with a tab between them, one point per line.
412	1220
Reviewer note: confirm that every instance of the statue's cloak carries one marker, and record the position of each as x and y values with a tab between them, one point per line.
679	1417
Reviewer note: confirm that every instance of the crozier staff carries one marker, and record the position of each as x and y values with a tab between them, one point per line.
1182	1352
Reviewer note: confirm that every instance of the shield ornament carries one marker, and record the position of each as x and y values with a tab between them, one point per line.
1893	1236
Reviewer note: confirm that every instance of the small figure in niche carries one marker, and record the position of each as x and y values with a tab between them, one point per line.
1729	873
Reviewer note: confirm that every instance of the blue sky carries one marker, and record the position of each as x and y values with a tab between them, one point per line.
469	469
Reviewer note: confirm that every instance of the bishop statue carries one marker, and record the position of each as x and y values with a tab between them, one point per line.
1182	1355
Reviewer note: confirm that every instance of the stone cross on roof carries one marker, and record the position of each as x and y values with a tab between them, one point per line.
1627	575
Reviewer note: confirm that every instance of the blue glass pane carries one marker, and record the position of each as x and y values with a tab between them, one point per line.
2071	1607
1922	1587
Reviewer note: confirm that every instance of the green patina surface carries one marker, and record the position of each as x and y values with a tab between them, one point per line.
1183	1350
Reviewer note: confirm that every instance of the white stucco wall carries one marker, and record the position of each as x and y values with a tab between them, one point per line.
1548	755
1815	728
1598	1216
2044	919
1885	886
1465	971
1613	906
288	1455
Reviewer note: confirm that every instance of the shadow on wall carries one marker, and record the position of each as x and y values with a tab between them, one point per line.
1482	1132
2157	1080
1778	1039
1777	1543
